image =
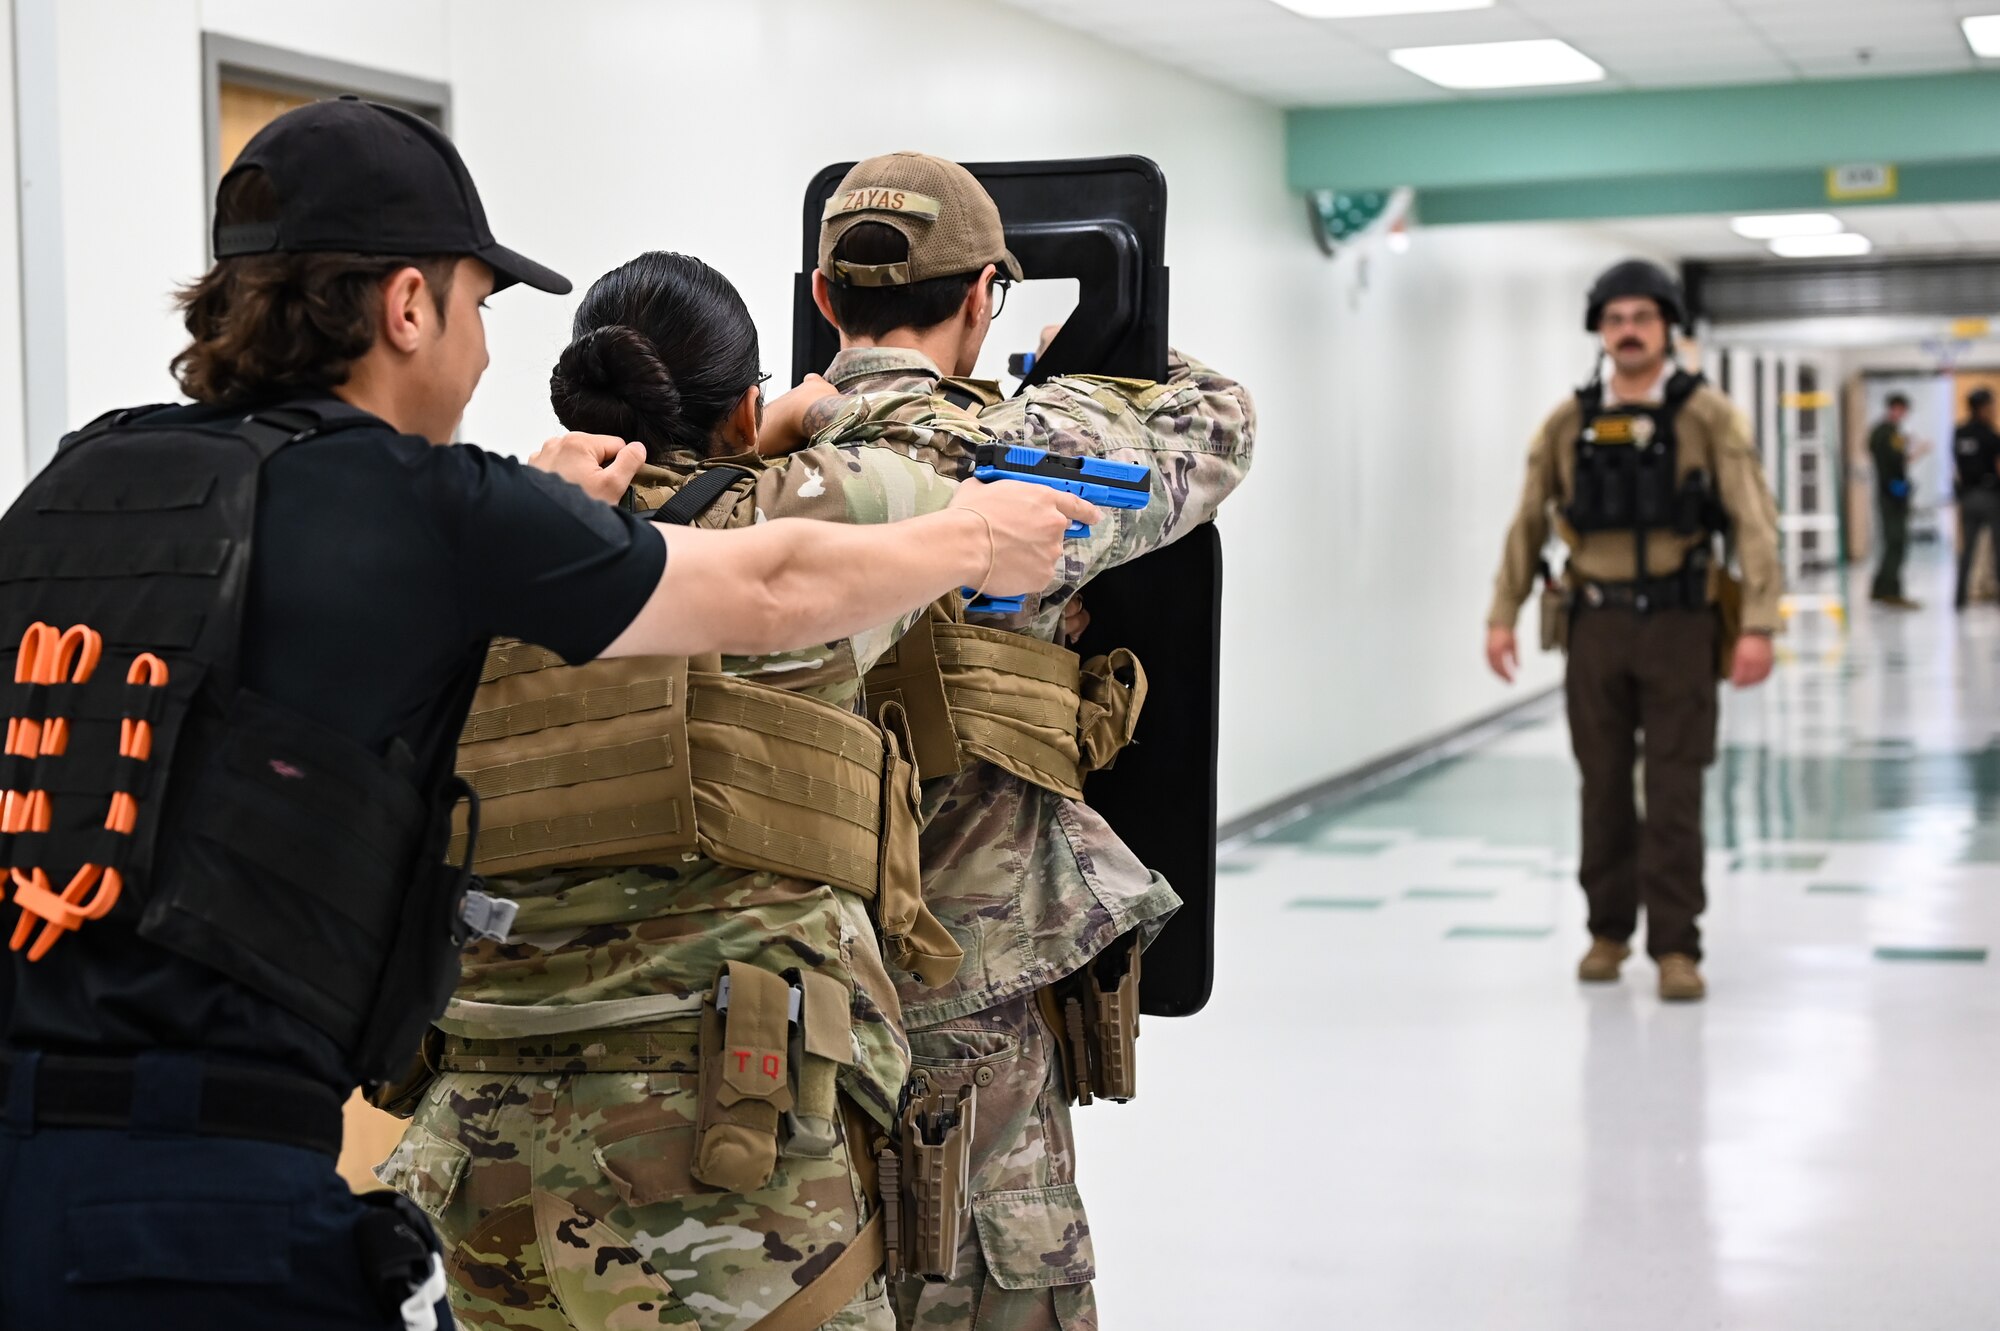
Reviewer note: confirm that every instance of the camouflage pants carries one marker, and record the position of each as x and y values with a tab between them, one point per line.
1026	1263
566	1201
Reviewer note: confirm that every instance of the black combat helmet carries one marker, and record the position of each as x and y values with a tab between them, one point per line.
1636	277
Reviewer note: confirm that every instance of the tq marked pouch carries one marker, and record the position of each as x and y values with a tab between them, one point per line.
745	1086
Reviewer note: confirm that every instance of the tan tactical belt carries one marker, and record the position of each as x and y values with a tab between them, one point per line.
645	760
646	1050
1029	707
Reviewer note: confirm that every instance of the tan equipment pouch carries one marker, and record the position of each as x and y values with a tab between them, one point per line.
1095	1014
746	1087
1726	590
1555	617
926	1183
1029	707
643	759
822	1043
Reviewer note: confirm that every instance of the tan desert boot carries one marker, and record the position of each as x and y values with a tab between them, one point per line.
1680	979
1600	964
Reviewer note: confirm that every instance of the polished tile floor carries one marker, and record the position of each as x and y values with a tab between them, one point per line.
1400	1112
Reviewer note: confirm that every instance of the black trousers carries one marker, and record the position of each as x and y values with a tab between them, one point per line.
1895	546
1654	673
1978	510
150	1226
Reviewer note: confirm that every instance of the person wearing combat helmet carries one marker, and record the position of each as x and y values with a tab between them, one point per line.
913	264
1641	471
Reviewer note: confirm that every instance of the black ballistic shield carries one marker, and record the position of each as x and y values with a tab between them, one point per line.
1102	222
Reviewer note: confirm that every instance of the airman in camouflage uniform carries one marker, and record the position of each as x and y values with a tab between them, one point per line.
1032	885
565	1197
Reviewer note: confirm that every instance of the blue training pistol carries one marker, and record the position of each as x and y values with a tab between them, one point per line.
1106	484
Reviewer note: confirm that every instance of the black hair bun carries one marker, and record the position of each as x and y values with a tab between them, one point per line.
611	380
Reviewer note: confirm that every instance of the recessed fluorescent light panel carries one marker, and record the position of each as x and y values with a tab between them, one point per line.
1982	33
1378	8
1769	226
1841	245
1529	64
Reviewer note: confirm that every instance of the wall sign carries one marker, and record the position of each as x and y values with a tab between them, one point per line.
1861	180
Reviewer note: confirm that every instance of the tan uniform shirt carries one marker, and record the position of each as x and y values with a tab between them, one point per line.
1712	435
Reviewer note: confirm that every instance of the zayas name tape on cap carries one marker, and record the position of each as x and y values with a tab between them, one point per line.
882	200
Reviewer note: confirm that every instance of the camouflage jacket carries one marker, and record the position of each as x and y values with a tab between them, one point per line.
597	948
1033	885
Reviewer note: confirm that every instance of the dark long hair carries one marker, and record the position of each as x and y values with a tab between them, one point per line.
661	349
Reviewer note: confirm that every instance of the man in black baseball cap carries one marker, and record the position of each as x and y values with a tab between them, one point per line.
370	179
249	630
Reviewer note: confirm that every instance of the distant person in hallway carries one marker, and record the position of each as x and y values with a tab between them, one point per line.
1640	472
1975	457
1892	453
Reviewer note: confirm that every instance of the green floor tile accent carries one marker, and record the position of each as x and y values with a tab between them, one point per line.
1976	955
1779	861
1334	903
1500	931
1236	866
1451	893
1844	889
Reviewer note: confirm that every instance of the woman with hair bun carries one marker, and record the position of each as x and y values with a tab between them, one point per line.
582	1167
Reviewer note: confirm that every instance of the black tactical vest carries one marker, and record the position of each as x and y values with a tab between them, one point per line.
1626	466
286	856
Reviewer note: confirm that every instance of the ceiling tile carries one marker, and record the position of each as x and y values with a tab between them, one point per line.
1269	52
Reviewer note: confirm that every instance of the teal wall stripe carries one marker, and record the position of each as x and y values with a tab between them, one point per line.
1492	141
1698	192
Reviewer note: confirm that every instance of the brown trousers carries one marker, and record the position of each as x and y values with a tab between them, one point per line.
1654	673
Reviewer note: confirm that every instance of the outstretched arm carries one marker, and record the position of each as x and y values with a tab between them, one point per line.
790	583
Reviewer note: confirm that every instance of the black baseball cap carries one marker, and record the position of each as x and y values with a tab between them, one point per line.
362	178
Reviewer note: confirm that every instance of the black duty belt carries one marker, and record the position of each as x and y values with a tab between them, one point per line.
1674	592
74	1091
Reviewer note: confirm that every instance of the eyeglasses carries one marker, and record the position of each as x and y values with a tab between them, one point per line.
997	295
1645	316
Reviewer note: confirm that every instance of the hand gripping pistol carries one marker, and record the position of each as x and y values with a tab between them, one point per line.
1106	484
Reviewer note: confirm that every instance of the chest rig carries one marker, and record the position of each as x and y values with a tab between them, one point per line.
150	793
659	760
1628	474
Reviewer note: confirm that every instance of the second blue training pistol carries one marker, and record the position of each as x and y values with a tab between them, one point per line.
1105	484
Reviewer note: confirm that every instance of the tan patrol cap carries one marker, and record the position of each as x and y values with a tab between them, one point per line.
947	216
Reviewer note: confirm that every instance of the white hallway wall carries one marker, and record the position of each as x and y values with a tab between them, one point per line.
13	443
1395	404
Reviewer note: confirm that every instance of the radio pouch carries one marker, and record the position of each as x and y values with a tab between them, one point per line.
1555	604
1728	590
821	1045
744	1086
936	1180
